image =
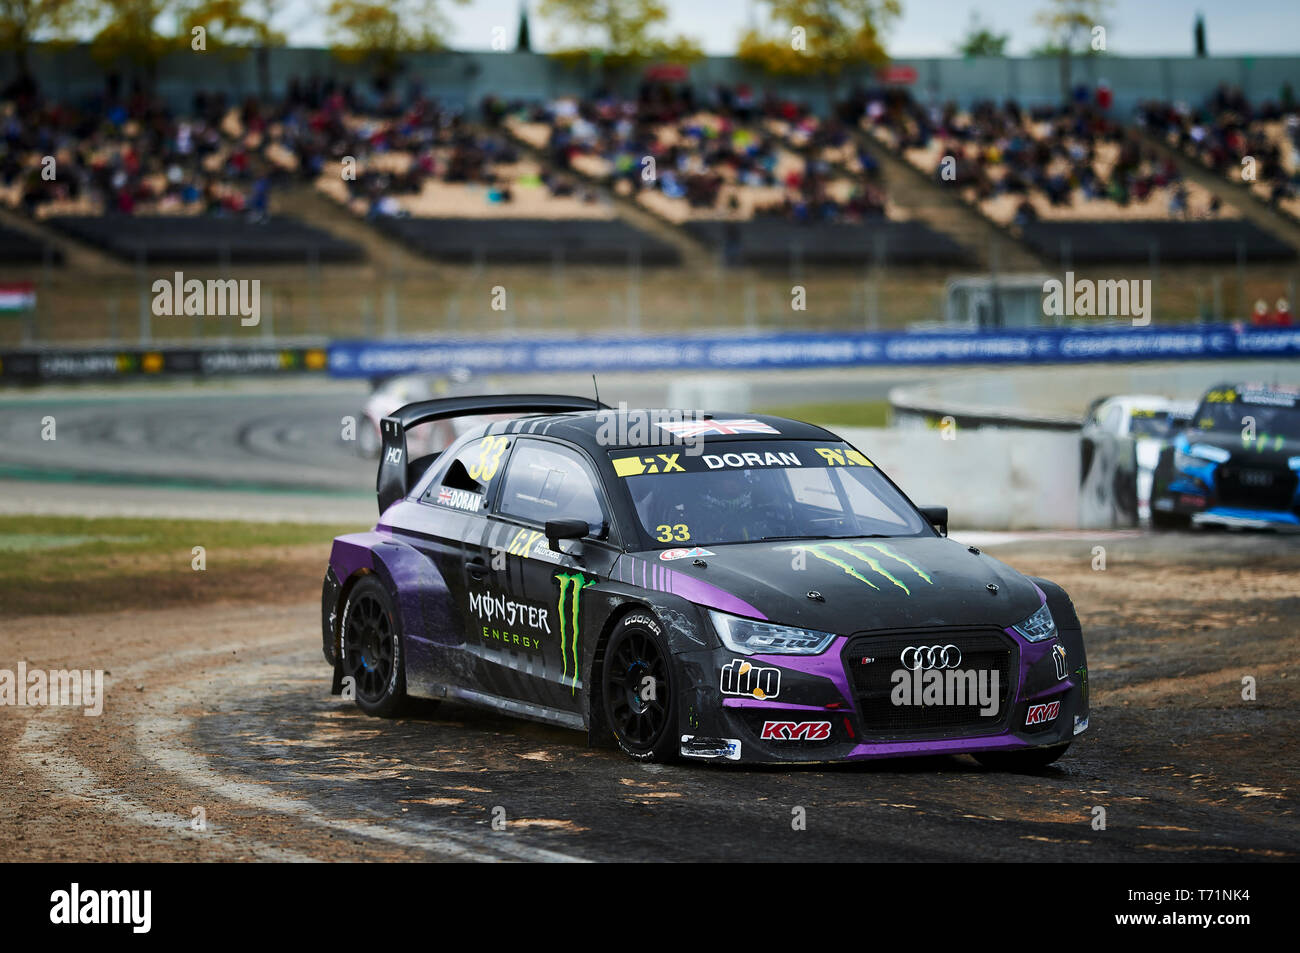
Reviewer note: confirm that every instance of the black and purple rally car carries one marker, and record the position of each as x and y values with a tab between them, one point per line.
694	585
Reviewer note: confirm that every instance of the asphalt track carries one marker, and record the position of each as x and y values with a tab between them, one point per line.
263	450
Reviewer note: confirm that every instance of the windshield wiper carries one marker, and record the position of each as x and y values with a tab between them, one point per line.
764	539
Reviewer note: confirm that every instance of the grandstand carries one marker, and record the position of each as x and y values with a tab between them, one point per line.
1074	183
1257	146
755	182
408	198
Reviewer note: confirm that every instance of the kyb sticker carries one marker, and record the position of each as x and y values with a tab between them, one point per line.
1042	714
748	680
796	730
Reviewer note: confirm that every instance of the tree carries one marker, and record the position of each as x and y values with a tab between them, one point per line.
820	37
1072	27
130	34
981	41
24	22
523	41
379	32
617	33
236	26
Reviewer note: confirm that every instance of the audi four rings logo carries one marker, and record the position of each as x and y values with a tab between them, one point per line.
930	656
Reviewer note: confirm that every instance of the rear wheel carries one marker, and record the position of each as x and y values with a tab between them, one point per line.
1032	759
371	649
636	686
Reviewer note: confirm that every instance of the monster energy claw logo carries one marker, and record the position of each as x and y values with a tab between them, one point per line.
850	556
571	586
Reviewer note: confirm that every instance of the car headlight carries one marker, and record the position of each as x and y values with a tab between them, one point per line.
1198	454
1039	627
1294	463
748	637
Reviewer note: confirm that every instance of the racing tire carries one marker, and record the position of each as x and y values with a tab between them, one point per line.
371	651
1033	759
1170	520
637	664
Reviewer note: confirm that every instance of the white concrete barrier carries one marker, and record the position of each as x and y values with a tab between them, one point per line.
988	479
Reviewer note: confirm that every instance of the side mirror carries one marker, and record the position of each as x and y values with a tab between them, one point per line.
557	530
936	516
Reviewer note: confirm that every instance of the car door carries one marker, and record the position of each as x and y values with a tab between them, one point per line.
448	529
536	622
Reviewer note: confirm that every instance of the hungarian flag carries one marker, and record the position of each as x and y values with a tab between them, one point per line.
17	297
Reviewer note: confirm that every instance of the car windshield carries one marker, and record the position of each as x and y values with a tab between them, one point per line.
745	491
1225	411
1148	423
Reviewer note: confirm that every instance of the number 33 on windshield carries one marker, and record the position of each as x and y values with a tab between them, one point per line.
677	532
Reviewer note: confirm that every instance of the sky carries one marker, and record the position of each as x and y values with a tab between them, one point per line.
926	28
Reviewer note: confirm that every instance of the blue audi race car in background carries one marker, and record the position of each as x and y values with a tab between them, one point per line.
1237	463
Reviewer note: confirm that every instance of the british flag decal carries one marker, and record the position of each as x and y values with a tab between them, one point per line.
703	428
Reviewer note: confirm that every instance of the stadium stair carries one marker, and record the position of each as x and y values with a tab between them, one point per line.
1230	193
695	255
928	202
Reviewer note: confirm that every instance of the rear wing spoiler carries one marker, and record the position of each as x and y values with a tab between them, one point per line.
392	482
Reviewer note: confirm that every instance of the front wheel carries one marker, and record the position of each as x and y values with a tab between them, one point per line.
371	650
636	686
1031	759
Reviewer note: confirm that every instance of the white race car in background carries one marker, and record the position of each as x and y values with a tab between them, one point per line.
393	393
1150	421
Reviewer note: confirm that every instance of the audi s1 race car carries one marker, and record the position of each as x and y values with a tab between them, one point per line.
1236	464
693	585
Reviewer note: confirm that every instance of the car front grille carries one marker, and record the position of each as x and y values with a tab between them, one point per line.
1265	488
872	659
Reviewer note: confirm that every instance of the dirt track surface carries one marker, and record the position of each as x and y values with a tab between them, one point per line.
226	707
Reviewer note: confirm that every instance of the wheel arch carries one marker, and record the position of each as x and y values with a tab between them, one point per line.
678	619
598	733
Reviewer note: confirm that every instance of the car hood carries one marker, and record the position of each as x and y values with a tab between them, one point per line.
1271	451
864	584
